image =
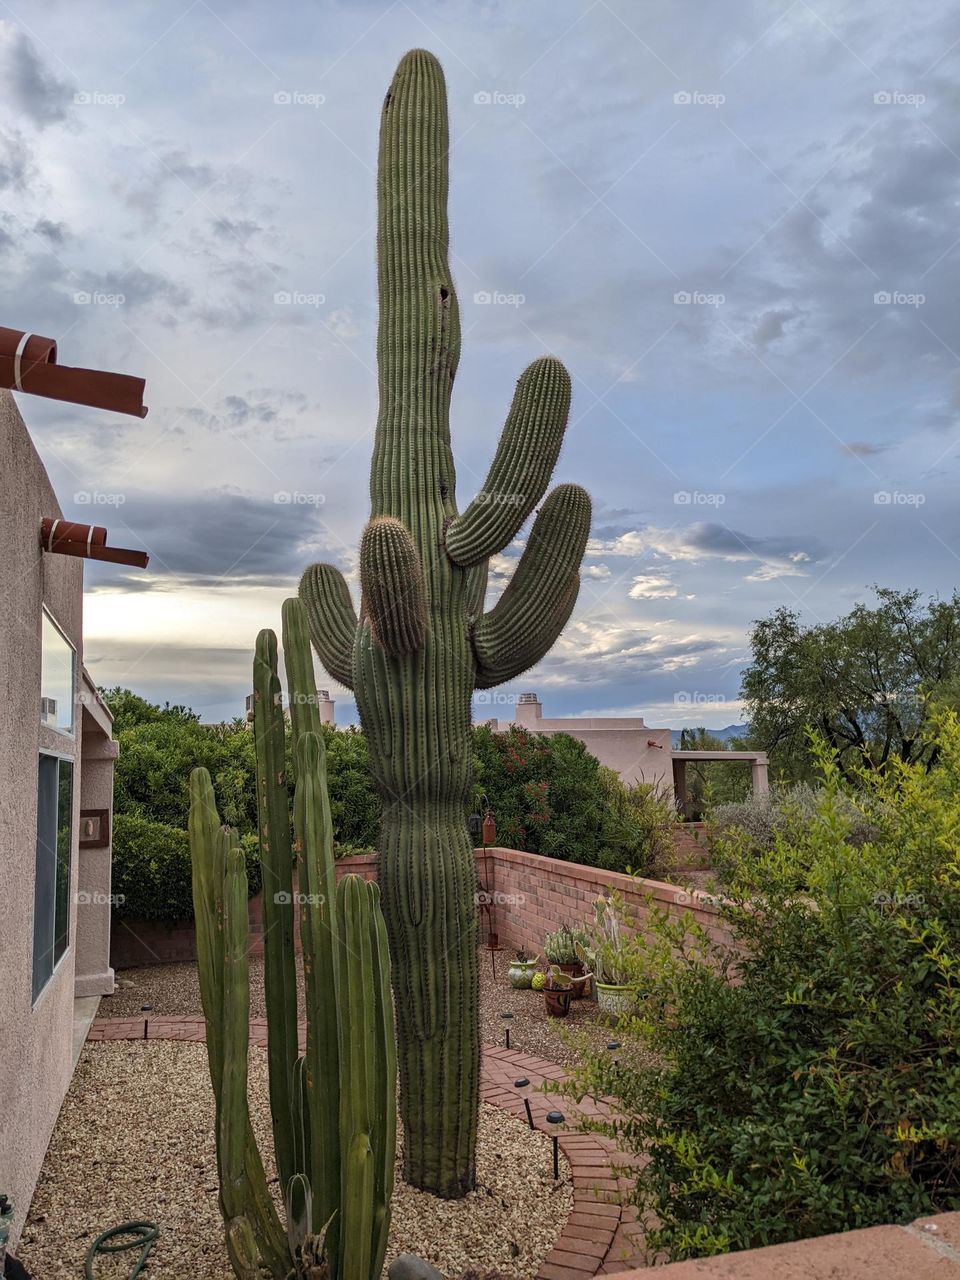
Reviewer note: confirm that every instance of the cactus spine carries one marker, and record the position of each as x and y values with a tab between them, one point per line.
423	642
333	1107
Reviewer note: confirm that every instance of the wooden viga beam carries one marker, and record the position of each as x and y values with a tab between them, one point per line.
88	541
29	363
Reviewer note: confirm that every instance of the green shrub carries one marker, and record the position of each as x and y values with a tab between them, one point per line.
151	869
762	818
820	1091
549	795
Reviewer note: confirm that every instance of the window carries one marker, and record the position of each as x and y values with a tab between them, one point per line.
56	677
51	892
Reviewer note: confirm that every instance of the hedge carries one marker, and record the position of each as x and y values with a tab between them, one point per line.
151	869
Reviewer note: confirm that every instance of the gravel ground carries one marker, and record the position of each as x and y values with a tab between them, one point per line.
173	988
135	1140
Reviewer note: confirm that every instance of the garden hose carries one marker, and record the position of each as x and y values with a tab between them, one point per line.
143	1235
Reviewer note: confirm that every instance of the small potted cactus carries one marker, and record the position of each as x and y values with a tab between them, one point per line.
558	992
561	949
521	970
609	952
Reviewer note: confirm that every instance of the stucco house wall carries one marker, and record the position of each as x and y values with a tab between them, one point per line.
36	1059
622	743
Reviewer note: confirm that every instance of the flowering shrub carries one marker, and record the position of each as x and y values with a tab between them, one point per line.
551	796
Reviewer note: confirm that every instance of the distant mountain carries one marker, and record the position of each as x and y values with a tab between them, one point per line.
731	731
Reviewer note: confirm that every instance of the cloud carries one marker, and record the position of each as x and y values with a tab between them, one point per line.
213	538
780	555
35	90
16	165
863	448
650	586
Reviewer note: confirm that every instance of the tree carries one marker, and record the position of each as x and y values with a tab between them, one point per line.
712	782
160	745
862	681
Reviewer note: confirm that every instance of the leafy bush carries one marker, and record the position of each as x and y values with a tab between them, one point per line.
151	869
820	1091
762	818
637	823
354	806
551	796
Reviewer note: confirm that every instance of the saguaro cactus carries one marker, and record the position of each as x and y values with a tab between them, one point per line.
423	642
334	1106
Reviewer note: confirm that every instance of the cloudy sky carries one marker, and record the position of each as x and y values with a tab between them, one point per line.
737	224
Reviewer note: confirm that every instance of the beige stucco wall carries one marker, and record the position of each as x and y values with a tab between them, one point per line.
94	976
35	1041
623	743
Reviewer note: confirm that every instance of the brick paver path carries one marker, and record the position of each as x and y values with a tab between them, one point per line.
601	1236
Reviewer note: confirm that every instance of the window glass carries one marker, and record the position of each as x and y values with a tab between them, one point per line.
51	901
56	678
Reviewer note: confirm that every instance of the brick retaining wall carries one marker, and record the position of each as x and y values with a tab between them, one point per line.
533	895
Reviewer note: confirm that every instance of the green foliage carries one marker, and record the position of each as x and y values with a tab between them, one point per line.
561	947
757	821
821	1091
611	948
156	755
713	782
151	869
158	744
551	796
354	807
861	681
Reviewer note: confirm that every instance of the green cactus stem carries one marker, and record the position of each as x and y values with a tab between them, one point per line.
423	643
333	1107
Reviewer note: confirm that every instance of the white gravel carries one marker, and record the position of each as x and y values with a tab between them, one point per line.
135	1140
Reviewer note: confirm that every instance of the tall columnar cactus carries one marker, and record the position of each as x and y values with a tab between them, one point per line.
423	642
333	1106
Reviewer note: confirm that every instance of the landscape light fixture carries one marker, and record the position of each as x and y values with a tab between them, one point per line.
145	1008
507	1017
522	1083
555	1119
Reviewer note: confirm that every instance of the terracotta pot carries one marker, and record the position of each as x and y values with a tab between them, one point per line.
558	1001
575	970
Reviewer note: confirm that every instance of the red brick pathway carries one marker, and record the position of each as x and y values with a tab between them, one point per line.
601	1236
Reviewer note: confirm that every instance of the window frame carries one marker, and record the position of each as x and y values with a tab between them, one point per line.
70	733
62	758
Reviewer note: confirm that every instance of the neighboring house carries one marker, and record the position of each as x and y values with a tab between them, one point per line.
56	798
626	745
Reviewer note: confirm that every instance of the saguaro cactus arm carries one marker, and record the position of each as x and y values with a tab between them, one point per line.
393	593
533	610
332	619
520	472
